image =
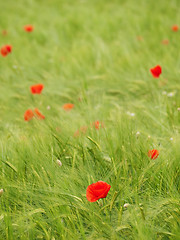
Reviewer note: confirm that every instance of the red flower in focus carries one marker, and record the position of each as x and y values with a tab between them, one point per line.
5	50
28	28
97	190
153	154
36	89
175	28
68	106
156	71
38	114
28	115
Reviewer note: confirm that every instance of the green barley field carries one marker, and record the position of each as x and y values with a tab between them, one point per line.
96	55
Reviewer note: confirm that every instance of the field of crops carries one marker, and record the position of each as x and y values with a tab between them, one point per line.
90	119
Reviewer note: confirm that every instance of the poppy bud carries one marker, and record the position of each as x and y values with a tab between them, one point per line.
153	154
137	134
126	205
1	192
59	162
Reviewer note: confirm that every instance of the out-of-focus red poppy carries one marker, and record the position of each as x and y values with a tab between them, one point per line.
97	190
156	71
68	106
36	89
165	42
9	48
139	38
5	50
83	129
28	28
58	129
76	134
175	28
4	32
38	114
28	115
97	124
153	154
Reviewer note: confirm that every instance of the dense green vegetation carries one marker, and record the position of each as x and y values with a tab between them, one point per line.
95	54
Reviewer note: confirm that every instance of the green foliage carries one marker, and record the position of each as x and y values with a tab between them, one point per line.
87	52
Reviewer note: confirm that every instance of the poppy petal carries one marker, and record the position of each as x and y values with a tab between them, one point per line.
68	106
28	115
38	114
153	154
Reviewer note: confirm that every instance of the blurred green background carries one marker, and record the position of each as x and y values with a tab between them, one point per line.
95	54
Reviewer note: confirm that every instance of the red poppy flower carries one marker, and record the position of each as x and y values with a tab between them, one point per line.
165	42
28	115
4	32
96	124
68	106
83	129
5	50
9	48
38	114
140	38
97	190
76	134
36	89
175	28
153	154
156	71
28	28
